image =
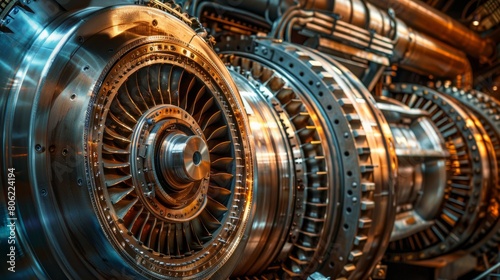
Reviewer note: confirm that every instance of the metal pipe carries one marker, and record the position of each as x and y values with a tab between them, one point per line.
439	25
413	50
427	56
488	272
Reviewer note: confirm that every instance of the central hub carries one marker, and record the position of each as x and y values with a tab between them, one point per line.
184	159
168	154
171	163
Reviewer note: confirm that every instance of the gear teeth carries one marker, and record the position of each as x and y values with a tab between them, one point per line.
367	204
363	151
348	269
320	79
299	262
487	109
300	118
355	255
360	240
353	118
346	103
364	223
310	234
359	133
368	187
454	225
367	168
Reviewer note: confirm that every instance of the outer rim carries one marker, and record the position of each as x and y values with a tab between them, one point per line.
465	189
355	177
197	263
59	77
487	109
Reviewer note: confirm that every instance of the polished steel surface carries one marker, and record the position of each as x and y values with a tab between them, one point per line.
275	150
157	99
413	50
336	108
421	179
487	111
470	173
144	149
99	98
188	156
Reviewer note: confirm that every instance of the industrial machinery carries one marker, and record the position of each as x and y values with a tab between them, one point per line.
230	139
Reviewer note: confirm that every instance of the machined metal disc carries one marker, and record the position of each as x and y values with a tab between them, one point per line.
130	145
343	187
487	109
468	174
168	184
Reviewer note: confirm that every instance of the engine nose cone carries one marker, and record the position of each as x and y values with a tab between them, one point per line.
186	156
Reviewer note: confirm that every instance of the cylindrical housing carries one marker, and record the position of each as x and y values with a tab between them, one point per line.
439	25
421	179
413	50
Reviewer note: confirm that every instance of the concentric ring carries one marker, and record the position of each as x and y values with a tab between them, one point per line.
171	184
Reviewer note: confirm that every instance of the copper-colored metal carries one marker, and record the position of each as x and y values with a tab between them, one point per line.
142	149
433	22
413	50
427	56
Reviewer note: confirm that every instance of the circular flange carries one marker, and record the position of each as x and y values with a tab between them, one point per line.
344	180
487	109
170	162
468	175
187	156
164	120
83	115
